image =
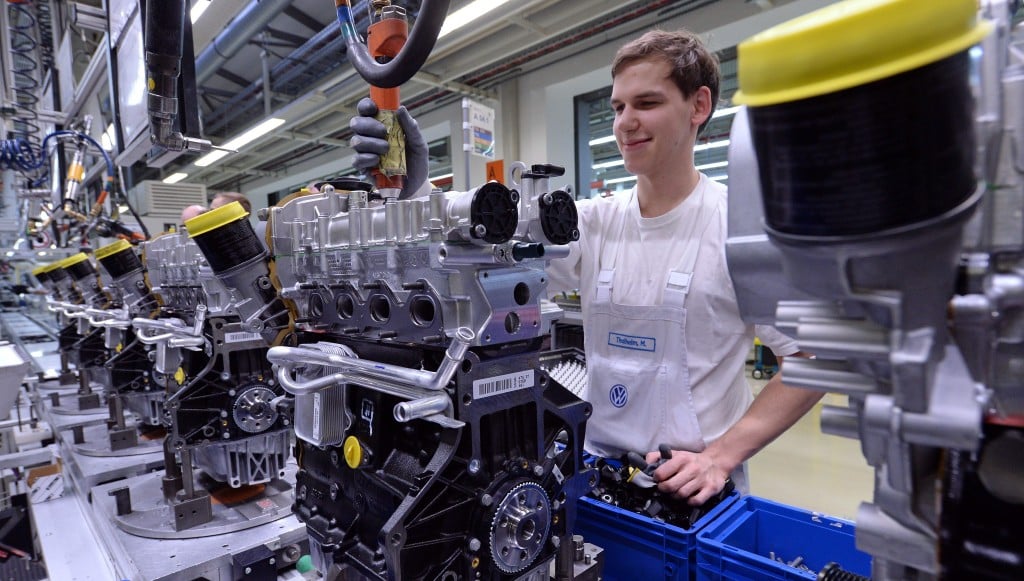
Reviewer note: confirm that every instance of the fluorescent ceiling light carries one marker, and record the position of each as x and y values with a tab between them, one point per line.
724	112
260	130
712	145
620	180
601	140
198	7
608	164
467	14
442	176
720	178
175	178
211	158
246	138
715	165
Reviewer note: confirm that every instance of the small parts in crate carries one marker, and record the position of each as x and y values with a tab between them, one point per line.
796	563
630	486
830	572
833	572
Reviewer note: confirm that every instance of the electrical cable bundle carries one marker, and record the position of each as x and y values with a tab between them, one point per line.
24	69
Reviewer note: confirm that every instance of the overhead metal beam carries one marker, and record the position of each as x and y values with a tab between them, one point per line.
304	19
236	79
249	22
521	22
454	86
307	138
293	39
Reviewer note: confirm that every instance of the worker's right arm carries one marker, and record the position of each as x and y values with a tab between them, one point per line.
564	273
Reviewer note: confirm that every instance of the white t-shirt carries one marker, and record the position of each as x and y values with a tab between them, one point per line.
717	340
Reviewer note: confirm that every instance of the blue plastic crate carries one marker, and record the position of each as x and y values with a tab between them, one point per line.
639	547
738	545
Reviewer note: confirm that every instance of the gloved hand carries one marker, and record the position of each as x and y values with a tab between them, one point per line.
370	142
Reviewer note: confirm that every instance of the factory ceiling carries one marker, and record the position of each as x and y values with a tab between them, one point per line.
296	45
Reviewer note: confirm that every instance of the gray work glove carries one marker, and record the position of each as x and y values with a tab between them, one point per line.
370	142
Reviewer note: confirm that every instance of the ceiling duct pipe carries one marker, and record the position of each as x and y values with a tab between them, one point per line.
243	28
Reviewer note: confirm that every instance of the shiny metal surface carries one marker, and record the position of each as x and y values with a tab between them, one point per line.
169	559
152	516
97	443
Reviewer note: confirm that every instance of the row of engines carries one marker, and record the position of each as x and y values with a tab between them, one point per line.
397	339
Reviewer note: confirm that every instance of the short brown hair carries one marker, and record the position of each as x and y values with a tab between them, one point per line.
693	65
228	197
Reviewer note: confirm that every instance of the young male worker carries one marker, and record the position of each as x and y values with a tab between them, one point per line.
665	345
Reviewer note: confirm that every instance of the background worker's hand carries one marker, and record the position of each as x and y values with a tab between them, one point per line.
691	476
370	142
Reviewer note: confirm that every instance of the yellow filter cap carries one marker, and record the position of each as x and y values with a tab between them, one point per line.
852	43
74	259
353	452
111	249
48	267
216	218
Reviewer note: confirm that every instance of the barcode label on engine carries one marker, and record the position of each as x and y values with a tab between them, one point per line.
239	336
502	384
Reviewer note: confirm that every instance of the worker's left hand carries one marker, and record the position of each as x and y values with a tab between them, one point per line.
370	142
694	477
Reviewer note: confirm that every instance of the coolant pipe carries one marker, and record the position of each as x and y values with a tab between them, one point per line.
839	421
553	251
420	408
187	342
112	318
171	328
153	339
382	375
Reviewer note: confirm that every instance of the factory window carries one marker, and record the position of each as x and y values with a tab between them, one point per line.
439	163
600	169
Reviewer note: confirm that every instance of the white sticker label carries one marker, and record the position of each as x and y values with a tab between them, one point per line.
502	384
317	404
240	336
559	477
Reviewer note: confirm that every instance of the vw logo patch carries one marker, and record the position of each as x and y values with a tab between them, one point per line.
618	395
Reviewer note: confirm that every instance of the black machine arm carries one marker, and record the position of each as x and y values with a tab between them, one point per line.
164	34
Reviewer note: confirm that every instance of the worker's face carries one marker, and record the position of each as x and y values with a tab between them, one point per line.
655	127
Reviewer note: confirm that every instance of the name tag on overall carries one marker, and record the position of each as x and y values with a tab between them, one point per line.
634	342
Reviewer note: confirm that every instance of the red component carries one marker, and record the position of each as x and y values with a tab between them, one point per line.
1015	421
385	39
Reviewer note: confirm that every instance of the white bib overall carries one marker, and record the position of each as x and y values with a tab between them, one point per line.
638	376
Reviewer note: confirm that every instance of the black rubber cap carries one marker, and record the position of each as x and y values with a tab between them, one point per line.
495	208
559	219
346	184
